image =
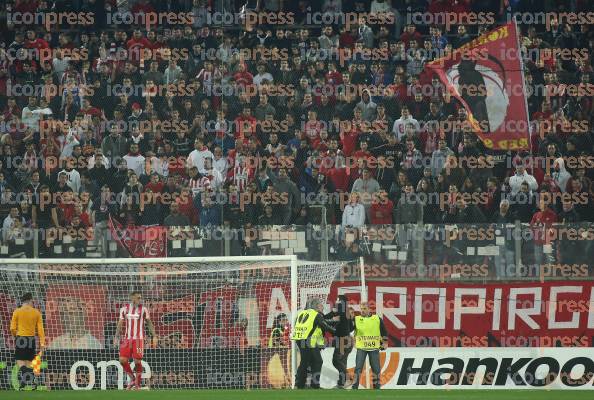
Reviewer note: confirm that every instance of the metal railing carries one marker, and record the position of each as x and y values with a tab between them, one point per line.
473	252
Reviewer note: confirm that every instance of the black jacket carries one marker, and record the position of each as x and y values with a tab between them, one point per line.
345	325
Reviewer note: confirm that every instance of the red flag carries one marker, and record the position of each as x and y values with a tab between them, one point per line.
485	75
140	241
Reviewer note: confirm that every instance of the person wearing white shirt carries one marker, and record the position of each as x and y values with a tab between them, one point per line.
197	156
215	177
380	6
521	176
60	63
560	174
354	213
69	143
262	75
220	162
9	223
91	161
73	176
399	127
135	160
158	165
29	118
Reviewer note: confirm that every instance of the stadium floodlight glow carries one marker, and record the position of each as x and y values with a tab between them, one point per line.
213	317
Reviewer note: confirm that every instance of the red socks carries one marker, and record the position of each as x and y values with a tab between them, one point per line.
128	370
138	368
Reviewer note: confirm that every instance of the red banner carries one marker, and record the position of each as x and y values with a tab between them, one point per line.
416	314
455	314
75	316
485	75
141	242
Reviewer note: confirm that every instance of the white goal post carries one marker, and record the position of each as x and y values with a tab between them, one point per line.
222	322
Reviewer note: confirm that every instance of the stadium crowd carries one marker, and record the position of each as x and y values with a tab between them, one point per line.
260	123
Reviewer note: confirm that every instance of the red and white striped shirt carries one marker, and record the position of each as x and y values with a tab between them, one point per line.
199	185
241	177
134	316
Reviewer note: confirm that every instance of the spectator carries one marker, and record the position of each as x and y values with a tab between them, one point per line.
198	155
353	215
381	209
114	146
135	161
11	222
399	124
560	176
287	189
409	209
366	186
269	218
505	261
541	223
523	204
175	218
521	176
209	213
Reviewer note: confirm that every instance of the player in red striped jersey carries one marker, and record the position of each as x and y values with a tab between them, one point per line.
132	318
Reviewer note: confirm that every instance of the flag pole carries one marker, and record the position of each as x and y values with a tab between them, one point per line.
522	70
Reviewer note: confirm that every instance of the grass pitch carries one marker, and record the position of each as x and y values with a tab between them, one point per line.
400	394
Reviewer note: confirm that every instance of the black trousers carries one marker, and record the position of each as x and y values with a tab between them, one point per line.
342	349
310	359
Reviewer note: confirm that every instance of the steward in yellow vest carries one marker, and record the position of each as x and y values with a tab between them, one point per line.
369	340
308	333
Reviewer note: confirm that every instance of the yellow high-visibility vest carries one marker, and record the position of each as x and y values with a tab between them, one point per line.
367	333
304	326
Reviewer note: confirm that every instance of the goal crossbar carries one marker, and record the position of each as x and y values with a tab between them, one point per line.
251	263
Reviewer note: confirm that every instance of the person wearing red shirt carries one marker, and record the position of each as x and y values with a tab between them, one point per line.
323	142
186	206
155	185
77	211
243	77
348	139
34	42
312	128
541	224
339	177
399	90
26	6
88	109
141	8
348	38
244	123
333	77
381	209
410	33
362	153
137	44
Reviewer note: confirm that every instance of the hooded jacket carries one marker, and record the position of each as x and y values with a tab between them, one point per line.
561	176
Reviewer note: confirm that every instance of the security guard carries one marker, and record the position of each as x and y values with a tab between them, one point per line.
369	336
308	333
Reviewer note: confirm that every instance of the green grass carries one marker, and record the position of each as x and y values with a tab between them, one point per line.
400	394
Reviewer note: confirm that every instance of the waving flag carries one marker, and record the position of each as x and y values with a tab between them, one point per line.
140	241
485	75
36	364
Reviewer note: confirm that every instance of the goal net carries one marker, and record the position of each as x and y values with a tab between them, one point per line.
220	322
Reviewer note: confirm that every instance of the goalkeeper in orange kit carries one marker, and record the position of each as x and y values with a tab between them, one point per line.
27	323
